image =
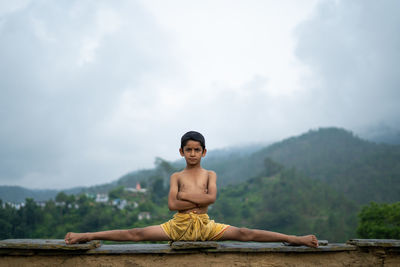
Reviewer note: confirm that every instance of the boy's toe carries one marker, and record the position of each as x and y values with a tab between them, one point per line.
67	238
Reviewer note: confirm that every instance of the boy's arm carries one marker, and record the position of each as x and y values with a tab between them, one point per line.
173	202
206	198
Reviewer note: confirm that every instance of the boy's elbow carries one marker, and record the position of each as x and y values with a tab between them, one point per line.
171	206
213	199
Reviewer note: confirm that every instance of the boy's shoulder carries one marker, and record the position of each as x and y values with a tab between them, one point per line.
210	172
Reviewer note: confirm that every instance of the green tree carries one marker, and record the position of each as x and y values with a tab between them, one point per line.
61	197
158	190
379	221
117	192
272	167
6	218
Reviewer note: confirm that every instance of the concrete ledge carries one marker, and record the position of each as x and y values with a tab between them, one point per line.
57	246
357	252
387	243
46	244
223	247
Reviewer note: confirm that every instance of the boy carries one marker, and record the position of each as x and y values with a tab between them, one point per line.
192	190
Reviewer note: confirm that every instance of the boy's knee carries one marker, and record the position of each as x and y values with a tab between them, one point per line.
246	234
136	234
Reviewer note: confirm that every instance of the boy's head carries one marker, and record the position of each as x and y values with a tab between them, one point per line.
195	136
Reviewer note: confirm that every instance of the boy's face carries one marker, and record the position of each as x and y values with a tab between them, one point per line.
193	152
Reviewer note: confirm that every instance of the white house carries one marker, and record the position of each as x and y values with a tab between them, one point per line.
144	215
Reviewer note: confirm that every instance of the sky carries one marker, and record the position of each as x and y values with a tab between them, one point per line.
92	90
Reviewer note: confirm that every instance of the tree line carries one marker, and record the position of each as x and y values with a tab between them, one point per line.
279	199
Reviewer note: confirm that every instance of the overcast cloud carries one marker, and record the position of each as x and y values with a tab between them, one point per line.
91	90
352	49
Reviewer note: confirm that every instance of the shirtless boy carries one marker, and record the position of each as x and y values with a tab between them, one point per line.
192	190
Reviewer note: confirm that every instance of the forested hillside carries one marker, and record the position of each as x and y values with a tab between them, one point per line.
285	201
278	200
313	183
362	170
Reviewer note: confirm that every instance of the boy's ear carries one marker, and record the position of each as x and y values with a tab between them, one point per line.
181	152
204	152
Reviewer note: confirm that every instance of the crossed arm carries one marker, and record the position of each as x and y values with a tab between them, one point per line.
183	200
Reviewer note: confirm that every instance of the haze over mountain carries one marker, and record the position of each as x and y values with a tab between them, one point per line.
362	170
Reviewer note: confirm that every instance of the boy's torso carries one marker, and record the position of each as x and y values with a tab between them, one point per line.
195	182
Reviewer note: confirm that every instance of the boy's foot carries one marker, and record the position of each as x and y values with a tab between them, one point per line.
72	238
307	240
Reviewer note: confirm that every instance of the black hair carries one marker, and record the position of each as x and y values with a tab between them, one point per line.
195	136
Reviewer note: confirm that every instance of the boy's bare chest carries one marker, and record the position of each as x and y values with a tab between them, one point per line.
193	184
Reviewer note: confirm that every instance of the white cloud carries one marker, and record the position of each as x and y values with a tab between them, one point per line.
107	22
64	76
92	90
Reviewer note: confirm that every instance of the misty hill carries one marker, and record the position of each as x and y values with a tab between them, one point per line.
363	170
18	194
220	160
284	200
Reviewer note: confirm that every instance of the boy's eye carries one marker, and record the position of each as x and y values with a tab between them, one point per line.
195	149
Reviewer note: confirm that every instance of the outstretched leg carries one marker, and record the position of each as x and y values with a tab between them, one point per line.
150	233
244	234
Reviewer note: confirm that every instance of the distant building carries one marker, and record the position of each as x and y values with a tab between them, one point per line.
16	206
144	215
41	204
101	198
76	206
138	189
90	195
120	203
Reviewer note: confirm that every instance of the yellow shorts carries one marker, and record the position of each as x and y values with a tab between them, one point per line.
193	227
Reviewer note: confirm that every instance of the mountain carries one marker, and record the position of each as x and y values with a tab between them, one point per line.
18	194
312	183
363	170
286	201
220	160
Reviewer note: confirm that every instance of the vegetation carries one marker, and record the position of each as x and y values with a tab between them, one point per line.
362	170
79	214
286	201
380	221
313	183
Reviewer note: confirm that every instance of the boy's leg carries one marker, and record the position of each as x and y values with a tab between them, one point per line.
244	234
150	233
